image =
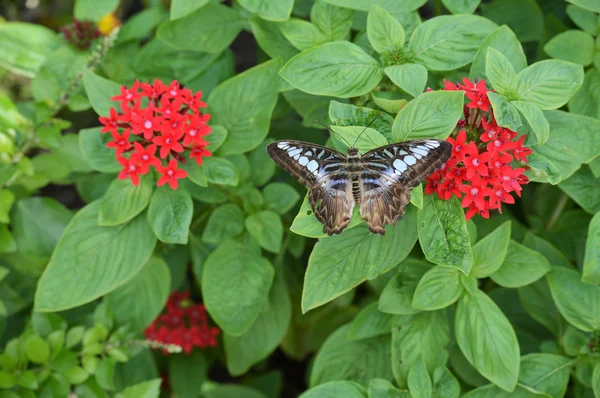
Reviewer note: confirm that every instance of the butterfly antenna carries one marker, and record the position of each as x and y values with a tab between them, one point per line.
366	127
333	131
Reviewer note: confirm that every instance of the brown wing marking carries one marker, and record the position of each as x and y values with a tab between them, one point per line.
332	202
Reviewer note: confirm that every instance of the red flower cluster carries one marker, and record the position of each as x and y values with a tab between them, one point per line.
80	33
480	169
184	324
171	121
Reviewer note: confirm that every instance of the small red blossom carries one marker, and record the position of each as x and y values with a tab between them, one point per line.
155	118
184	324
481	169
80	33
170	174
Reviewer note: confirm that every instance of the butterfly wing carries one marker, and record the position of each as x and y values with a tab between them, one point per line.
390	172
323	170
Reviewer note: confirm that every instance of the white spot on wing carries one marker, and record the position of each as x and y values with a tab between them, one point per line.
400	165
309	153
294	151
403	152
312	166
303	160
434	144
282	145
410	160
296	157
420	150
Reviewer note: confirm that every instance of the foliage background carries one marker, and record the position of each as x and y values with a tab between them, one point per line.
510	306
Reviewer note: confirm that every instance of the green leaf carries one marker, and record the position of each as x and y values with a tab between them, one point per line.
7	198
536	119
449	42
571	143
138	302
209	29
123	200
385	32
411	78
397	296
586	100
339	69
267	229
380	388
37	224
217	137
389	101
349	115
243	105
99	91
549	84
547	373
220	171
524	17
573	46
370	139
443	233
269	10
430	115
235	284
270	38
146	389
334	22
37	349
306	224
489	252
491	391
583	187
232	391
141	25
393	7
90	261
504	40
419	382
500	72
505	113
354	360
10	117
262	166
91	10
370	322
521	267
583	18
578	302
590	5
416	196
425	336
339	263
332	389
439	288
280	197
302	34
93	147
591	264
195	173
226	221
264	335
25	46
461	6
487	339
187	373
181	8
170	214
445	384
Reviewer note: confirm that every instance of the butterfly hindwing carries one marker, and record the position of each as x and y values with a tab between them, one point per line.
389	173
323	170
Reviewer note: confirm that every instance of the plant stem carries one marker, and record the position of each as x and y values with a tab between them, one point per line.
560	206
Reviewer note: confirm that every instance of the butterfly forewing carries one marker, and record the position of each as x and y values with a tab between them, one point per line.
390	172
324	171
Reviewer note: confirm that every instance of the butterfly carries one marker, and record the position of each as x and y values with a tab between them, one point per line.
379	181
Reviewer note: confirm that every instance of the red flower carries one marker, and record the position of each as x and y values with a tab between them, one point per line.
474	193
169	141
520	152
199	152
499	196
459	147
170	174
145	156
130	170
477	164
145	122
128	95
111	124
121	142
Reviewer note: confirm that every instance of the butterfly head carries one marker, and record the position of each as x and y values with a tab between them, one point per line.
353	152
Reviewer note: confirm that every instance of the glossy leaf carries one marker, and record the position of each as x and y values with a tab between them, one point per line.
521	267
439	288
591	264
170	214
123	200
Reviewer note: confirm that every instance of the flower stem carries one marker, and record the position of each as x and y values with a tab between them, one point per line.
556	213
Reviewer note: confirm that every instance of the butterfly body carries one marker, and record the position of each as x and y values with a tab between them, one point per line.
378	181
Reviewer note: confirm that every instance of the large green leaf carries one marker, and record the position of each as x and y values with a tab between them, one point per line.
461	6
225	222
365	139
302	34
430	115
123	200
140	300
280	197
266	227
349	115
449	42
572	141
210	29
500	72
187	373
487	339
243	105
547	373
339	263
385	32
397	296
346	389
269	10
591	264
99	91
264	335
170	214
411	78
489	252
270	38
583	187
92	10
181	8
536	119
590	5
392	6
578	302
504	40
355	360
521	266
370	322
443	233
380	388
339	69
586	100
549	84
235	285
95	152
90	261
37	224
439	288
334	22
573	46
